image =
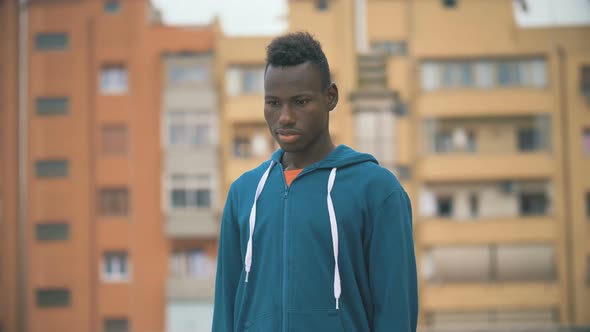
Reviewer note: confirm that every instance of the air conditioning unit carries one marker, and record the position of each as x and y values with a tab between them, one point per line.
459	138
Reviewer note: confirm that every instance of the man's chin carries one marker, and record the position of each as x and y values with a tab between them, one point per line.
291	148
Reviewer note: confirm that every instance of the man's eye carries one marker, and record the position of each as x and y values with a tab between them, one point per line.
272	102
301	101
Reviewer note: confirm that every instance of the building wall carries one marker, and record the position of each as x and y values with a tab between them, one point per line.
9	191
577	163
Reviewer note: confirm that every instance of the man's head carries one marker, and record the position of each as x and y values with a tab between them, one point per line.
298	93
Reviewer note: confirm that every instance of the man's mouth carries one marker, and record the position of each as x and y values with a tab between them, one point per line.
288	136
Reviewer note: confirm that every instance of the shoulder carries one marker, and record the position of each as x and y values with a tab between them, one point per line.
377	177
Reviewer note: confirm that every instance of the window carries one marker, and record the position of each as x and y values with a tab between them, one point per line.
51	168
533	204
443	142
189	128
403	172
390	47
190	191
112	6
245	80
251	140
115	266
52	231
529	139
537	73
375	135
509	73
192	263
585	81
113	202
51	41
183	198
444	206
252	81
473	205
483	74
471	142
52	105
449	3
57	297
187	134
457	74
586	142
400	109
321	5
430	76
116	325
241	147
114	139
185	73
113	79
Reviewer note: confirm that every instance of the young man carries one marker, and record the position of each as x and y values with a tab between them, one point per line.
319	238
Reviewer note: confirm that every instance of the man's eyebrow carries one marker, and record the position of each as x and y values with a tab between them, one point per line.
302	94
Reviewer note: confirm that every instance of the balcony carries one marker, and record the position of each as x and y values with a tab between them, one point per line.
441	232
190	288
530	295
473	103
372	72
192	223
443	168
196	158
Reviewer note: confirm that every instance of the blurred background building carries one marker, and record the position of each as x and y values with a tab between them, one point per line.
120	136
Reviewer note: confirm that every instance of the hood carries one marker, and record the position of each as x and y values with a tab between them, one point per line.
340	157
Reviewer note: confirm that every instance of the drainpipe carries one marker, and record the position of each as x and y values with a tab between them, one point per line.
22	165
360	26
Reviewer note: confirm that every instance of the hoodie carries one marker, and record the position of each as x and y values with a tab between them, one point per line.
333	251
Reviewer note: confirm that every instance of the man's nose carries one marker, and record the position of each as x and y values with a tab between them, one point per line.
286	116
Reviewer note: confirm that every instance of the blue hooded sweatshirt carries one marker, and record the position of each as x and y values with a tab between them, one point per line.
331	252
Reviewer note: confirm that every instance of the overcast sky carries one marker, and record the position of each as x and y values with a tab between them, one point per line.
238	17
268	17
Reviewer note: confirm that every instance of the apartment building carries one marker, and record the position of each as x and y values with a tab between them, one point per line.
83	247
189	122
492	130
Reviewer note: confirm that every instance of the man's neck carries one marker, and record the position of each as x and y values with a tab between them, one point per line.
300	160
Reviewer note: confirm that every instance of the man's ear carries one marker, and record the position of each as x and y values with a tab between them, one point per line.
332	96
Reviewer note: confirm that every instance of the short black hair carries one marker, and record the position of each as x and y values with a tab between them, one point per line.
296	48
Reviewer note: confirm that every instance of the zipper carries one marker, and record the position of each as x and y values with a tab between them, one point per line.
286	205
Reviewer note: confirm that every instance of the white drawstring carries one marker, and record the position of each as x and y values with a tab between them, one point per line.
253	219
334	229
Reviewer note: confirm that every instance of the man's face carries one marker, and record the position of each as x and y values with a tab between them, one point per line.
296	105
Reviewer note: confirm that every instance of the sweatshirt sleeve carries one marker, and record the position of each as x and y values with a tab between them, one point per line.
392	266
229	267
